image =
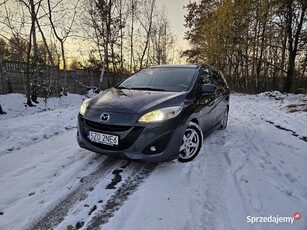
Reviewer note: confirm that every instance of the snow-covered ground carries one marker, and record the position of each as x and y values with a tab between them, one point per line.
257	167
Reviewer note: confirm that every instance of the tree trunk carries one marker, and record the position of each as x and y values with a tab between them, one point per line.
293	44
50	60
27	84
131	35
121	37
35	52
148	33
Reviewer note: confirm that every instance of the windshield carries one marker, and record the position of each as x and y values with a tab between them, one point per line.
160	79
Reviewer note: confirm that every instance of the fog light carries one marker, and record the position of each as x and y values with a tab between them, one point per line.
153	148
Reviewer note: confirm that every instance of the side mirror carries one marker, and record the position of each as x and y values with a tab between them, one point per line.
208	89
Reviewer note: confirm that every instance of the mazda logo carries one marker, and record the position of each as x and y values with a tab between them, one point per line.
105	117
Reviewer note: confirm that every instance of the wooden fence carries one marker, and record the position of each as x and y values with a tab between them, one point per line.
12	76
77	81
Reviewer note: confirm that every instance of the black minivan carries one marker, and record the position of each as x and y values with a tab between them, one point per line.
160	113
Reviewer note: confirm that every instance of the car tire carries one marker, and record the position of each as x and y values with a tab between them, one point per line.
191	143
224	120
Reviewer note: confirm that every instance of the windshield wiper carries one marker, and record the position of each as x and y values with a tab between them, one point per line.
121	87
147	88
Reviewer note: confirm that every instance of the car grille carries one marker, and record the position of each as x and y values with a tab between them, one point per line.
105	127
124	143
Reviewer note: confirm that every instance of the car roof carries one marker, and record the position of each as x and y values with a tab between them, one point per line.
189	66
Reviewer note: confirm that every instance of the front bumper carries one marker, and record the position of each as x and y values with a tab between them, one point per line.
135	139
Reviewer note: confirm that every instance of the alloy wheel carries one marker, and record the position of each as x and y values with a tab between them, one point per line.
224	120
191	143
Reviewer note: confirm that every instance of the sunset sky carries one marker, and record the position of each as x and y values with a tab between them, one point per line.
175	12
176	15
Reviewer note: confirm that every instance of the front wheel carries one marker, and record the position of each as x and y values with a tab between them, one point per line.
191	143
224	120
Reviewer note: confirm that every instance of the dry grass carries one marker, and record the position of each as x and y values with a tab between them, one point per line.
293	108
293	111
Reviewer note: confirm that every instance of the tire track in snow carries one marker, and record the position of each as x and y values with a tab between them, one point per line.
57	214
303	138
122	194
291	186
249	132
137	173
292	189
280	125
207	188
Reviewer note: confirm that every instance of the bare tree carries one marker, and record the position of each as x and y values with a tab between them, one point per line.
18	41
133	5
147	26
65	34
294	26
162	40
106	19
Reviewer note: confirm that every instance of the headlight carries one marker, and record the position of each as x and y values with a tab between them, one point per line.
160	114
84	106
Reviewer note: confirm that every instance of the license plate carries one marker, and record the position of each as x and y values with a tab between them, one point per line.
103	138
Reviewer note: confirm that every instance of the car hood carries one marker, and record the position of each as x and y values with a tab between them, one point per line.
135	101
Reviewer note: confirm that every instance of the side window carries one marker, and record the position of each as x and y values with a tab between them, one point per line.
205	77
216	79
224	80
